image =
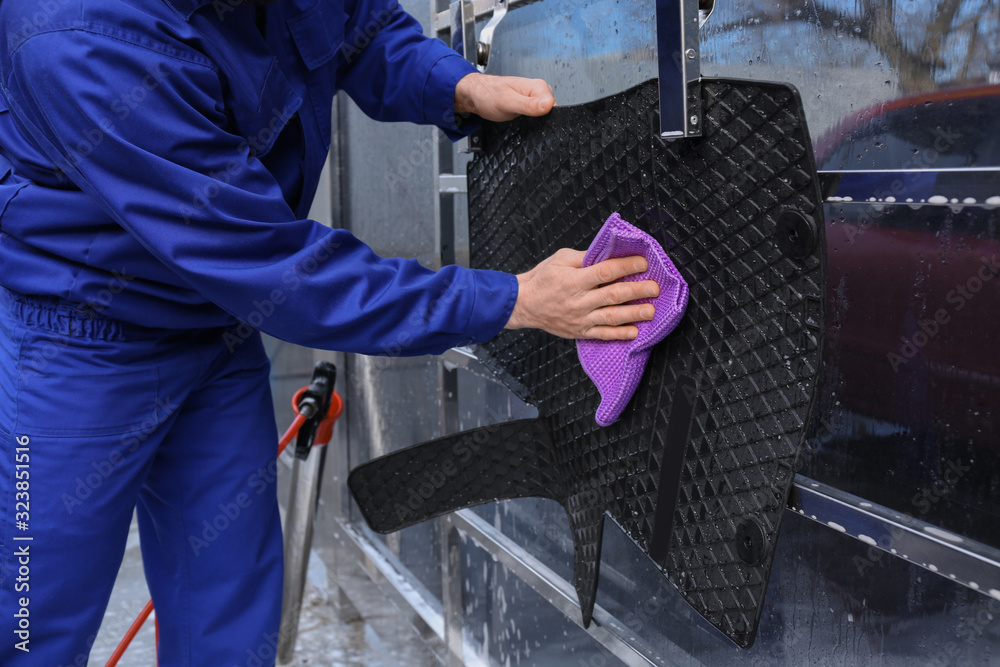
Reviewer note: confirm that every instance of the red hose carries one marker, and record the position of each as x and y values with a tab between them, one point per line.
130	635
326	426
290	434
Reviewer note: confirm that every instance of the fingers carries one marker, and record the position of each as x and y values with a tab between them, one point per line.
611	270
601	279
539	98
501	98
618	322
566	300
614	316
624	292
612	333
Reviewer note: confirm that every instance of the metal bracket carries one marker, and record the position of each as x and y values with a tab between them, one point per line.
482	9
463	29
678	25
485	44
705	9
463	40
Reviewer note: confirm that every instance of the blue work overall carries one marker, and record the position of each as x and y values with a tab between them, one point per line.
157	160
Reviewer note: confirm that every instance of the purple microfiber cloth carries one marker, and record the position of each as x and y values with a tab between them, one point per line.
616	366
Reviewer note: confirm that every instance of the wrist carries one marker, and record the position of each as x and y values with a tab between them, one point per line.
466	93
518	317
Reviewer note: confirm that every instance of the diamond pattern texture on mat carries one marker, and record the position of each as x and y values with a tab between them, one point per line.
712	434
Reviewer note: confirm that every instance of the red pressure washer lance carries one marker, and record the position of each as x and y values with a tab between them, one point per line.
317	408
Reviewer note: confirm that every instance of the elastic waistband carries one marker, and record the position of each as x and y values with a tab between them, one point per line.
62	317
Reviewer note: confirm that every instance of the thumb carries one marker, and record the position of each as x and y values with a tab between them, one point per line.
537	99
541	105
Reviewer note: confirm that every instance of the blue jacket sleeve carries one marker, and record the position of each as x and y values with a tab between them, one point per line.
241	246
395	73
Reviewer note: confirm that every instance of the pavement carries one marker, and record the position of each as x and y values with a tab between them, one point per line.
324	639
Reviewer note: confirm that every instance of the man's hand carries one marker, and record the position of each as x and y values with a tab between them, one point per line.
572	302
501	98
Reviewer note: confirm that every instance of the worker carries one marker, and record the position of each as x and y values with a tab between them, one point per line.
157	162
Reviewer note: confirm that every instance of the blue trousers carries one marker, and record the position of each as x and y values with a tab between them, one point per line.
99	418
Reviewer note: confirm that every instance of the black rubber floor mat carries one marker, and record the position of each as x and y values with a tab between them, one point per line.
698	469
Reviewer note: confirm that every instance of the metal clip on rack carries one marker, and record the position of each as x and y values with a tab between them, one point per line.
678	27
